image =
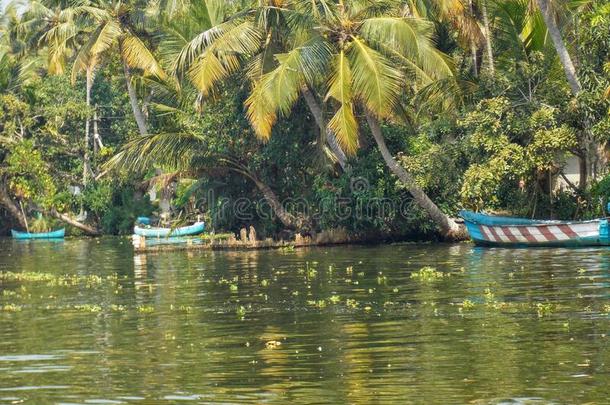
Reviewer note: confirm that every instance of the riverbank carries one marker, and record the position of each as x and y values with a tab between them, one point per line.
247	241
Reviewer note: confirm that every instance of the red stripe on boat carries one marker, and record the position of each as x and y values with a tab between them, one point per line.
495	236
527	234
567	229
483	232
509	234
544	230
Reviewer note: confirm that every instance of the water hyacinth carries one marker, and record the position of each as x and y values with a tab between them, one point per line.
428	275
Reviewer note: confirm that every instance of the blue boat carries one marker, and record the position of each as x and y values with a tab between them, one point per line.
489	230
195	229
143	220
58	234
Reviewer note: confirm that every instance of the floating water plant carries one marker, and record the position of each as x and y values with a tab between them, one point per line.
428	275
92	308
467	304
334	299
53	280
12	308
240	312
544	309
145	309
317	303
118	308
351	303
273	344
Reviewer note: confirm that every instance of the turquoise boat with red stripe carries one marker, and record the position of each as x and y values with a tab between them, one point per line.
490	230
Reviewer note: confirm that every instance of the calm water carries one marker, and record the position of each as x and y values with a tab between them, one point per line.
325	325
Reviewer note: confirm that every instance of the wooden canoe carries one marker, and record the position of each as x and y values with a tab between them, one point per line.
58	234
195	229
487	230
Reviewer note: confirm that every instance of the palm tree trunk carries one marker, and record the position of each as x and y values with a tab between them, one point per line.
286	218
86	163
488	39
473	48
133	98
331	139
450	229
560	47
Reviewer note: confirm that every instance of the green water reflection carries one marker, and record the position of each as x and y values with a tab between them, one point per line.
325	325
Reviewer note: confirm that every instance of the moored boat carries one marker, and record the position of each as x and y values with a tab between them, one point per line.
488	230
195	229
58	234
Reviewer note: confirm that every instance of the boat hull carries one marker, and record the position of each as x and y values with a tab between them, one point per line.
488	232
58	234
194	229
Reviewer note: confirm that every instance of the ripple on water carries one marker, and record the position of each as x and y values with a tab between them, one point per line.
168	330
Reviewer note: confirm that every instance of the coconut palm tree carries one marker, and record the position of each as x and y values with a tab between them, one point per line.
117	26
562	51
237	33
361	56
18	66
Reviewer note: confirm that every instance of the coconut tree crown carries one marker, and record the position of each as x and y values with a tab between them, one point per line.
357	54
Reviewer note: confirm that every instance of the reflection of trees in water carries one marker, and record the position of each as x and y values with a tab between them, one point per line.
426	351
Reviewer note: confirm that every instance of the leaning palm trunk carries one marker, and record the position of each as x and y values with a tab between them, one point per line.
449	229
560	46
331	139
286	218
7	202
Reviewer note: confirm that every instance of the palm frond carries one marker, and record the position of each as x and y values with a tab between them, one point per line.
137	55
167	149
343	124
377	84
242	38
261	112
411	40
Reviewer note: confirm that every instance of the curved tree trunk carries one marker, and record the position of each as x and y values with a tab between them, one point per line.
449	229
83	227
286	218
488	39
331	139
7	202
560	46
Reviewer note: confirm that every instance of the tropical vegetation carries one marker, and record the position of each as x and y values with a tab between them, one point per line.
382	118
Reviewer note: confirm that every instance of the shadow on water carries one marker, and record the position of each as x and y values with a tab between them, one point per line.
87	321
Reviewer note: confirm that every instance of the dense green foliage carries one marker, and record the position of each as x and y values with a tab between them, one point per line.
204	105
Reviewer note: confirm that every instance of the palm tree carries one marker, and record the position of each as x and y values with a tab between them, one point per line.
118	26
560	46
238	35
358	54
18	66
